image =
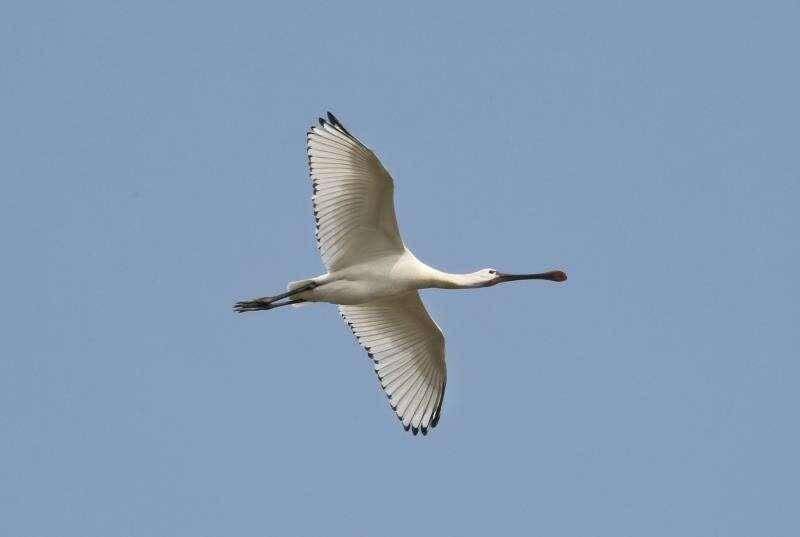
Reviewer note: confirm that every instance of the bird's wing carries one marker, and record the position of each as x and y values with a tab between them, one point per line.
407	347
353	198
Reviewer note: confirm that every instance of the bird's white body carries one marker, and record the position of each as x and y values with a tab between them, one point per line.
374	278
383	277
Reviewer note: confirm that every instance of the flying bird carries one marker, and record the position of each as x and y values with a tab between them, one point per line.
374	278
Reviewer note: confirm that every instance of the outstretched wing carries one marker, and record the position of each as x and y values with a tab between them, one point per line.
408	350
353	198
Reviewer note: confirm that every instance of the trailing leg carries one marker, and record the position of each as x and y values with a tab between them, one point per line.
271	302
259	305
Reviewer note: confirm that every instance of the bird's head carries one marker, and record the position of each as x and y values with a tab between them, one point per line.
489	276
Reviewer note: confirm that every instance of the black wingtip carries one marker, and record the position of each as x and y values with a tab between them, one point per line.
333	120
321	122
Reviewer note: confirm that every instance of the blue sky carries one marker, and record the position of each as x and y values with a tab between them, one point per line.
153	172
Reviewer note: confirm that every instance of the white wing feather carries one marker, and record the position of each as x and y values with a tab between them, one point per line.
353	198
407	347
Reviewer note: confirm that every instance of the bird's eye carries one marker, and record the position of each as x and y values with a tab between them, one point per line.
492	272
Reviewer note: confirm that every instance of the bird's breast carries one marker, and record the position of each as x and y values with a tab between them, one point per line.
349	292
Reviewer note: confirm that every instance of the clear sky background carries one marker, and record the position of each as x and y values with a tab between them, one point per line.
153	172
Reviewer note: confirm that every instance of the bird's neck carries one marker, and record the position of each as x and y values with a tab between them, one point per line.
449	280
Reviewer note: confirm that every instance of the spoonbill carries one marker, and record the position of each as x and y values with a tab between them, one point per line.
374	278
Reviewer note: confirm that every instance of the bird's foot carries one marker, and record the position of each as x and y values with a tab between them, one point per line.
265	303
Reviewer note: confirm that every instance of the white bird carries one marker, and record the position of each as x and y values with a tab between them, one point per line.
374	278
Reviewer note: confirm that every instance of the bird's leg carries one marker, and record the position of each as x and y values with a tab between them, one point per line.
258	305
269	302
306	287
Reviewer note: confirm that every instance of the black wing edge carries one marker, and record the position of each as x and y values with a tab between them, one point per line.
334	122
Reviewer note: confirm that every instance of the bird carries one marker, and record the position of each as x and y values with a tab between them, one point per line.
372	276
